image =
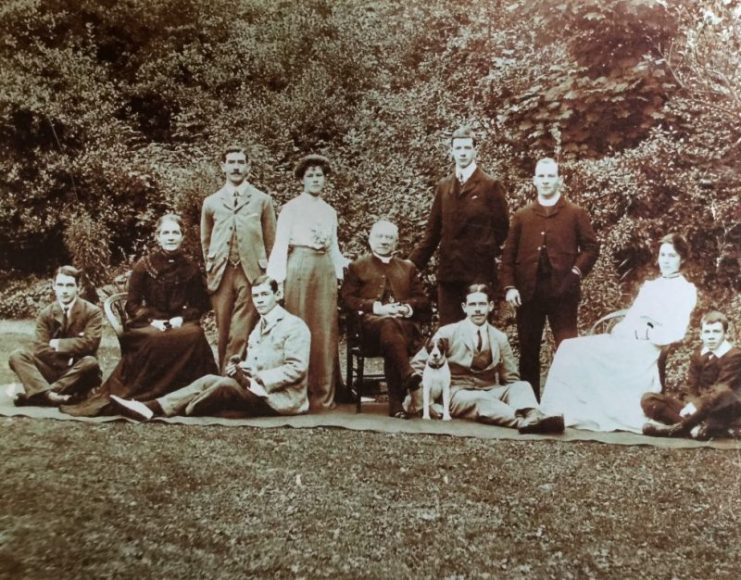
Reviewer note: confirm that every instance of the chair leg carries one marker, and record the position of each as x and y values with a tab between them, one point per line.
349	370
360	381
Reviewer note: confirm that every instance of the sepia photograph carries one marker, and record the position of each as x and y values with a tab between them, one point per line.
376	289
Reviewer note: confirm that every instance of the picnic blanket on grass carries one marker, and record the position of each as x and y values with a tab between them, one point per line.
373	418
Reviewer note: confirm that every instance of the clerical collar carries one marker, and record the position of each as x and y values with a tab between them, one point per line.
465	174
549	202
67	307
722	349
384	259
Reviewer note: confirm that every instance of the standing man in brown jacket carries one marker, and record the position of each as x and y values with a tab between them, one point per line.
550	248
237	234
469	222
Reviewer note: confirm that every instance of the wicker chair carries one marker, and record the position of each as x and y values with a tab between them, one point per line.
605	324
115	312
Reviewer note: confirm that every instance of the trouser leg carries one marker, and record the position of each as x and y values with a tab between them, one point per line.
228	397
485	406
530	323
175	403
32	371
661	408
81	377
235	314
450	297
562	315
243	318
394	343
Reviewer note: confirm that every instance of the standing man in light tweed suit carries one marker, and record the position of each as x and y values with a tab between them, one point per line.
237	234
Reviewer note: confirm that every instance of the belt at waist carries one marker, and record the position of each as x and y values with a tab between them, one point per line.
308	249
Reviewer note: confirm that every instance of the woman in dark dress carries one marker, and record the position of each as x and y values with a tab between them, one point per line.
164	347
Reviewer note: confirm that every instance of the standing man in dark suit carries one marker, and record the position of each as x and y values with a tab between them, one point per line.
237	234
62	361
551	246
389	292
469	222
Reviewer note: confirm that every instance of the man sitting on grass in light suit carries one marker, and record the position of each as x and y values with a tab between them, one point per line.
485	385
272	380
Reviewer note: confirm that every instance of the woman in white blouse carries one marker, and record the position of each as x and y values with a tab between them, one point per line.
597	382
306	258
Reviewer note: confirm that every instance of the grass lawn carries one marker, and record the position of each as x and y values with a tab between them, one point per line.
174	501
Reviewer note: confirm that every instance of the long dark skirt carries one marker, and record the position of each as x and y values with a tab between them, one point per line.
153	364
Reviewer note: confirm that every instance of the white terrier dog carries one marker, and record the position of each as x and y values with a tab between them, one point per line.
436	377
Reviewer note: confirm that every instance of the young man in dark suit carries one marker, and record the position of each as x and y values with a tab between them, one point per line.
391	296
237	235
551	246
469	221
61	363
713	390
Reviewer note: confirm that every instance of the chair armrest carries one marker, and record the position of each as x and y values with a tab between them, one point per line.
113	307
608	320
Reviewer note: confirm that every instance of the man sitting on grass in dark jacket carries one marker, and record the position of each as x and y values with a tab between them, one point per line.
713	388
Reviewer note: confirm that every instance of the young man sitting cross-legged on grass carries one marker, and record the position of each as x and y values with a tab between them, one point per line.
61	364
713	386
272	380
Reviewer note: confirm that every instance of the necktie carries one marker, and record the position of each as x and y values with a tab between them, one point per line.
480	343
263	325
236	199
65	319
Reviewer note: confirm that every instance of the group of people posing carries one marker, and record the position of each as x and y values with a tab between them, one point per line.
278	359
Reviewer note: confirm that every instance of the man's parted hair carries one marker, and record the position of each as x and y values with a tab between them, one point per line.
713	316
463	132
234	149
265	279
478	287
69	271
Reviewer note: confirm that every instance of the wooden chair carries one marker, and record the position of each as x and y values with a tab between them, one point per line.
605	324
115	312
356	355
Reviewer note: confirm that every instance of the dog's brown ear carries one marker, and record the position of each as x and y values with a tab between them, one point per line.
444	345
429	345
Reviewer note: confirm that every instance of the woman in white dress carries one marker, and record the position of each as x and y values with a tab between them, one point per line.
306	259
597	382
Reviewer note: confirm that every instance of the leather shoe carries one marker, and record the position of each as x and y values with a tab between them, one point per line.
134	409
535	421
655	430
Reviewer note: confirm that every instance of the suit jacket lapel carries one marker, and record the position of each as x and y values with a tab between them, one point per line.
471	183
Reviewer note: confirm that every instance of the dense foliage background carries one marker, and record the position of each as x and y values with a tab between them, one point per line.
112	111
